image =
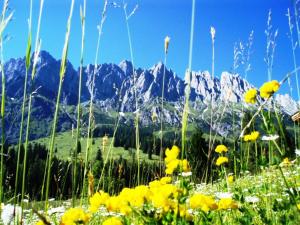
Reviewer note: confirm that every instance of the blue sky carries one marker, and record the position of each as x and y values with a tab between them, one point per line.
154	19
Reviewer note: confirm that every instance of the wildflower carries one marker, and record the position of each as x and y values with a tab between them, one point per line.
112	221
221	160
250	96
184	165
251	199
171	166
230	179
9	212
167	41
227	203
251	137
40	223
269	88
75	216
221	148
285	162
165	180
203	202
186	174
98	199
270	137
221	195
171	154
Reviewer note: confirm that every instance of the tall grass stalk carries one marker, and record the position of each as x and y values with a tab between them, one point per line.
213	35
271	44
35	60
297	18
4	21
293	46
74	181
188	83
61	78
162	104
89	133
27	65
137	135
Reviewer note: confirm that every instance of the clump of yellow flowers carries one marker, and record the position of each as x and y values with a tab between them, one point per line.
269	88
250	96
222	159
161	201
75	216
173	163
252	136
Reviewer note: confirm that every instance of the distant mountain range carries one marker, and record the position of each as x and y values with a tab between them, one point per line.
114	92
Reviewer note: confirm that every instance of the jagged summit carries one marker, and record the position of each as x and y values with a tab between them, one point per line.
114	83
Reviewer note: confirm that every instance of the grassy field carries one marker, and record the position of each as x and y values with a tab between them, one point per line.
65	142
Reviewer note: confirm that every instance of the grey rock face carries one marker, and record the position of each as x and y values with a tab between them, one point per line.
114	86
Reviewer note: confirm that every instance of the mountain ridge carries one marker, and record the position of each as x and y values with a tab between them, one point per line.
114	90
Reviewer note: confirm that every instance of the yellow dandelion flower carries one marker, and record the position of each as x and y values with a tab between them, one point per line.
221	160
74	216
184	165
250	96
269	88
285	162
221	148
165	180
171	154
251	137
40	223
230	179
112	221
97	200
227	203
203	202
171	166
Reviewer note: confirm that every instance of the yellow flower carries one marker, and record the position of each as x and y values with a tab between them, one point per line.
167	41
251	137
203	202
161	201
40	223
165	180
221	160
97	200
250	96
74	216
171	154
112	221
221	148
285	162
298	206
227	203
171	166
269	88
230	179
184	165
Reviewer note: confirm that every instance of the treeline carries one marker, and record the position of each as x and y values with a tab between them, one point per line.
117	174
150	142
